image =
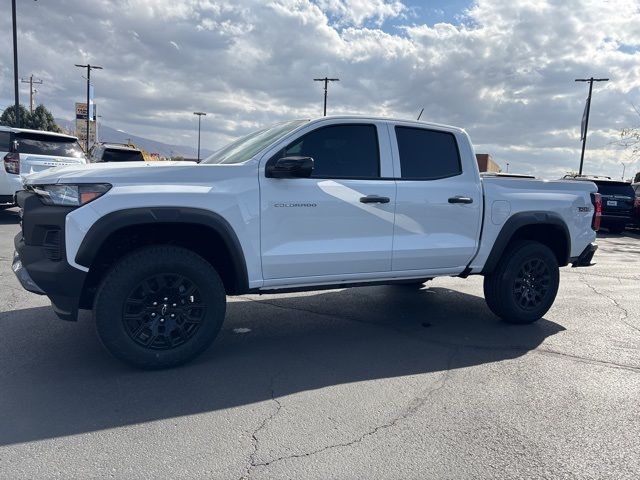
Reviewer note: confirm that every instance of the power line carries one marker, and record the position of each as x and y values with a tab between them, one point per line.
585	115
326	82
31	81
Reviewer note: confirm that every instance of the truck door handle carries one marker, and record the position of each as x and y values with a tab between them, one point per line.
459	199
374	199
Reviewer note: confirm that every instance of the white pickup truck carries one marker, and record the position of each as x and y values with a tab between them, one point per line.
154	248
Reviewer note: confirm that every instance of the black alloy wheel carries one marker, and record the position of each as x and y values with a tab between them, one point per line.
163	311
531	284
159	307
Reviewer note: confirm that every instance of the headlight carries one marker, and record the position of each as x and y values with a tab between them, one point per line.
70	195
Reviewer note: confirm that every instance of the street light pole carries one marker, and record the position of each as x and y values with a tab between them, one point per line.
15	63
199	114
586	114
326	82
624	167
89	67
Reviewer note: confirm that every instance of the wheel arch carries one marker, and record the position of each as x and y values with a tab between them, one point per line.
206	232
547	228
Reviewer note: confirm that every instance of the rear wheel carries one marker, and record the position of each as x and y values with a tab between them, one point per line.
524	284
159	307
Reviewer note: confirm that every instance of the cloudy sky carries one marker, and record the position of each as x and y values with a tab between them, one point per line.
502	69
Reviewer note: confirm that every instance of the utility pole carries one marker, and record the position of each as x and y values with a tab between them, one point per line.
585	115
31	83
89	68
199	114
15	63
326	82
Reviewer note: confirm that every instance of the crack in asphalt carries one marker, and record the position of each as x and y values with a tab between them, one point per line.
407	412
254	435
441	343
617	304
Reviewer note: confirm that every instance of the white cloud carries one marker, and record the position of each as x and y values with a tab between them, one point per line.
357	12
504	72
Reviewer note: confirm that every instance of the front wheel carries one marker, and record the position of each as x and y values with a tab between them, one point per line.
524	284
159	307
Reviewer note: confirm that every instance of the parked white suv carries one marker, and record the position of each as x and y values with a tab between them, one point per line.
26	151
154	248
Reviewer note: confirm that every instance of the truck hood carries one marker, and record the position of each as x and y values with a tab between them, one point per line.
114	173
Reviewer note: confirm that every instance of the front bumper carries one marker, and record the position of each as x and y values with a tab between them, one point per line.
23	276
584	259
40	261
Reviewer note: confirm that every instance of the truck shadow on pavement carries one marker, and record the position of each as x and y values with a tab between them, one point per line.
56	380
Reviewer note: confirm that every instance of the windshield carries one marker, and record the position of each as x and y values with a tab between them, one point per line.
48	145
246	147
119	155
612	188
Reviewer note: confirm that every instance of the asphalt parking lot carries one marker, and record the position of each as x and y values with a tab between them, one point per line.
376	382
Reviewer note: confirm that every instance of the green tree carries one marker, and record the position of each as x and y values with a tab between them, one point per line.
637	178
8	117
40	119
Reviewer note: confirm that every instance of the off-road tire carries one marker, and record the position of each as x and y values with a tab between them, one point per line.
524	284
138	274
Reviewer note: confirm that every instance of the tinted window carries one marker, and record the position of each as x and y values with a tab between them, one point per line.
427	154
615	188
5	141
48	145
117	155
340	151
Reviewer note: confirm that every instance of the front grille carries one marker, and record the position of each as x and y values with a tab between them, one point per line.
51	245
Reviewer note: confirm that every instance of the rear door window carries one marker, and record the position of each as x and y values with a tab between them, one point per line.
427	154
36	144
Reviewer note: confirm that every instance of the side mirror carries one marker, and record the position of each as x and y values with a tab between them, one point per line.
289	167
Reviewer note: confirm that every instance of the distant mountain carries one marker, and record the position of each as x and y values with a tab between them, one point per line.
108	134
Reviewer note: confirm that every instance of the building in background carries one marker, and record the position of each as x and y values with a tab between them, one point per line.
486	163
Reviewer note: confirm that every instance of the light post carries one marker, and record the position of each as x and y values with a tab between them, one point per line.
89	68
199	114
585	116
326	82
507	167
15	63
16	93
624	167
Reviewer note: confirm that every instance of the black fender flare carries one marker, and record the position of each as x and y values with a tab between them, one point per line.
516	222
114	221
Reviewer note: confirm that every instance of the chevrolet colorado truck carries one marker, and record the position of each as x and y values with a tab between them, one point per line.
153	249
